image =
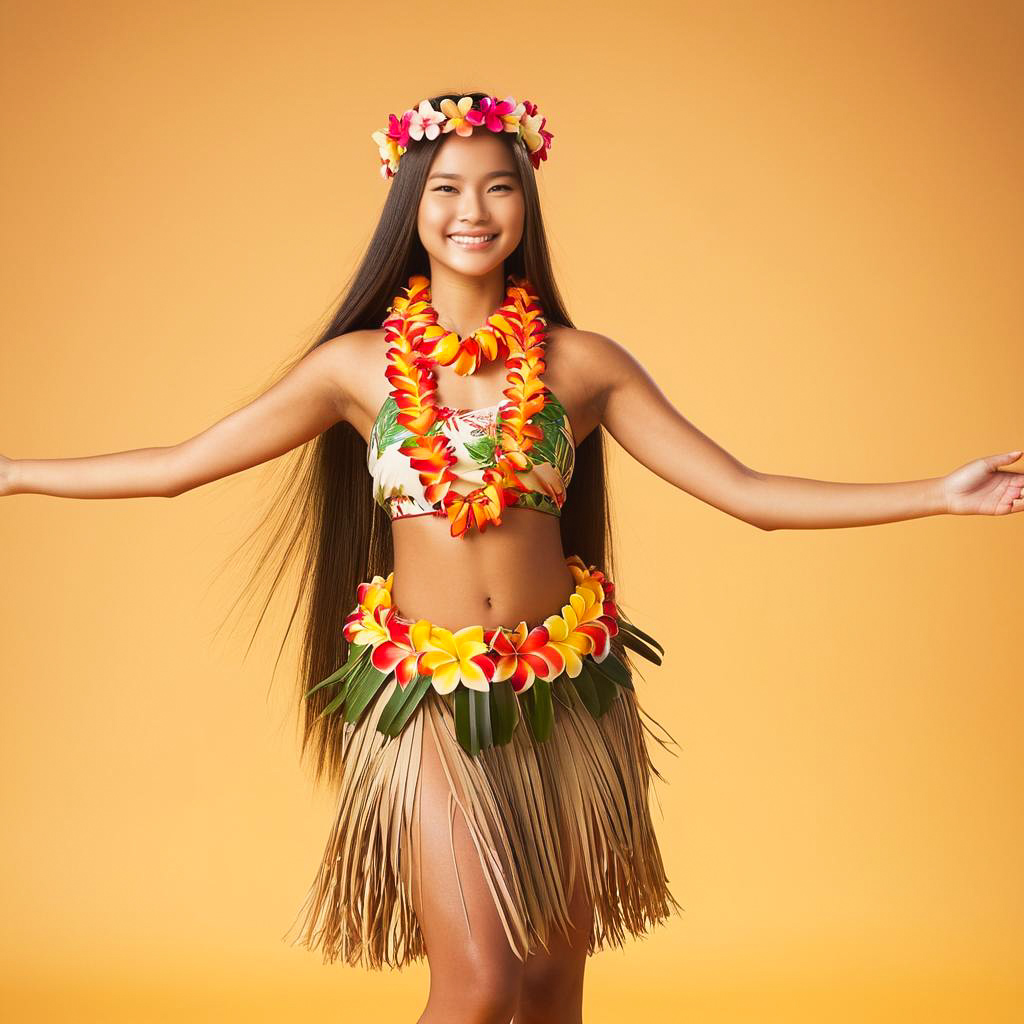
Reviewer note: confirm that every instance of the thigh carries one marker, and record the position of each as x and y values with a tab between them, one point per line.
465	939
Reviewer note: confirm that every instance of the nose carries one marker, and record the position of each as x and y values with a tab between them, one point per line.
472	208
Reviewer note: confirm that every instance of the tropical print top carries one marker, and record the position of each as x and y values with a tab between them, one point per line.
473	434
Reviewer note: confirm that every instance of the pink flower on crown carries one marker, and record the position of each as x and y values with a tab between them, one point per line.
456	114
398	130
513	117
393	143
497	115
425	121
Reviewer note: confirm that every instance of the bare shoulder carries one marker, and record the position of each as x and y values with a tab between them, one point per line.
355	362
354	345
350	358
572	344
585	363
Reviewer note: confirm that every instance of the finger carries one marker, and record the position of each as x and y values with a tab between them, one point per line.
993	461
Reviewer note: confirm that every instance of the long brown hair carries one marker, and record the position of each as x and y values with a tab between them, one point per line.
323	521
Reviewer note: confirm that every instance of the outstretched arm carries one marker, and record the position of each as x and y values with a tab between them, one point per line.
304	403
638	415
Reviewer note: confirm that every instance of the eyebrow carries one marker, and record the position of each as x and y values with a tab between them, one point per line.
491	174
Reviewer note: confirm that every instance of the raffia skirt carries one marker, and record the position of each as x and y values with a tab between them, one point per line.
539	814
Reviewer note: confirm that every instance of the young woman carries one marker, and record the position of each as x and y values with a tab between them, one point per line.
468	669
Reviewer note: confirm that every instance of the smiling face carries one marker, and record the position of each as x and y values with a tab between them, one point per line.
472	189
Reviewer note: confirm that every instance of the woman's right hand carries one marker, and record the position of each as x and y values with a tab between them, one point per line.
6	476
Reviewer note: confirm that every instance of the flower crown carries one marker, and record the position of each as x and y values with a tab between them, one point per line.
462	117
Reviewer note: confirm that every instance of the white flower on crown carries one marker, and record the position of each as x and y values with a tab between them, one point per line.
425	121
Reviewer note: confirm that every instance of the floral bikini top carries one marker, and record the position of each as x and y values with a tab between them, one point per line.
467	465
473	434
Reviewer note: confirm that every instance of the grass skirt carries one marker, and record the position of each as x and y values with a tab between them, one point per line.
589	781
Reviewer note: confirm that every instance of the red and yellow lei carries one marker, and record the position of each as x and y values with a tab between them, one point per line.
515	332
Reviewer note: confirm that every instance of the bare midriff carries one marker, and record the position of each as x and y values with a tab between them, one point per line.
508	573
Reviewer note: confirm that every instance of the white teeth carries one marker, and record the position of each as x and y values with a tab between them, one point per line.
471	239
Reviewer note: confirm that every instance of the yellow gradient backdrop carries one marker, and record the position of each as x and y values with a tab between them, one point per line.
805	219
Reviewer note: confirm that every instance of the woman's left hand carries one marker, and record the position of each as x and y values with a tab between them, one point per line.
980	488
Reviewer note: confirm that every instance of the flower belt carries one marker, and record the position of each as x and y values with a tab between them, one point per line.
494	676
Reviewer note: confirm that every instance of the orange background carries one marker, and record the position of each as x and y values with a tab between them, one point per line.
805	219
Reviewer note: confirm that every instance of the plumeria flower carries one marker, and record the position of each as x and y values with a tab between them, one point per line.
363	620
365	626
456	114
512	117
400	651
537	139
523	656
451	658
370	595
425	121
390	153
530	127
581	573
398	129
492	113
588	605
570	644
582	628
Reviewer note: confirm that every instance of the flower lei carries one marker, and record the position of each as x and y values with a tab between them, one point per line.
477	657
462	117
492	674
516	331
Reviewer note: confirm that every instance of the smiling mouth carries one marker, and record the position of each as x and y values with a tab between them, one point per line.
472	241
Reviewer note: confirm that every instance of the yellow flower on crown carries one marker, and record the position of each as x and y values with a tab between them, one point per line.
456	114
529	128
390	153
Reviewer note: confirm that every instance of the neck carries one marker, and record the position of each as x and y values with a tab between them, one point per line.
463	302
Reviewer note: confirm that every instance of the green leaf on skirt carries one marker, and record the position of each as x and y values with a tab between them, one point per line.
362	688
356	673
607	689
472	719
401	704
624	623
613	669
356	653
504	711
634	643
587	689
538	709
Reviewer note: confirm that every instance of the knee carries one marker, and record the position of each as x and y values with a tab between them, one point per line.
492	992
552	993
479	993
